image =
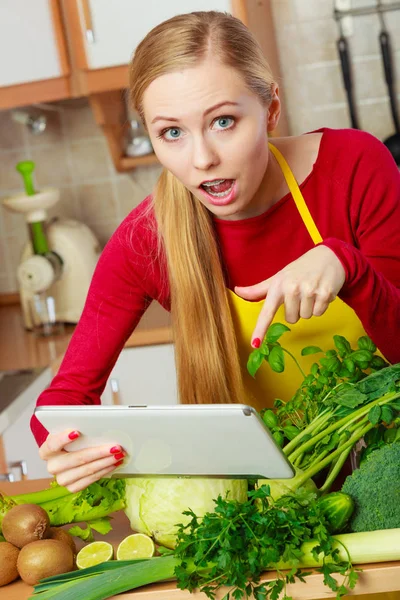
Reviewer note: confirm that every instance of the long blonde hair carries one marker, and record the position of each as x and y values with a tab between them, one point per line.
206	354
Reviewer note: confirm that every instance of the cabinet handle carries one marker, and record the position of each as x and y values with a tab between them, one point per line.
115	392
88	21
7	477
20	464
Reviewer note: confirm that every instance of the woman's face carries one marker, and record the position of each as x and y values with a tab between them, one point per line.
210	131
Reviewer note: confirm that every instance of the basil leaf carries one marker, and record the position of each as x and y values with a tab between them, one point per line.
365	343
276	359
310	350
254	362
275	331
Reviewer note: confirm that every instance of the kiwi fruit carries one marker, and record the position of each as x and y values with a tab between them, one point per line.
8	563
44	558
25	523
58	533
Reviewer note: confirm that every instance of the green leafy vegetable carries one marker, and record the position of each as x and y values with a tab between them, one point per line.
375	488
92	505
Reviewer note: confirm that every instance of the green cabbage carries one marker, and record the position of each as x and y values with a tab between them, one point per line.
155	505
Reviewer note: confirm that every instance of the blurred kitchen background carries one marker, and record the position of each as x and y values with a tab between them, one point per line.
63	105
72	153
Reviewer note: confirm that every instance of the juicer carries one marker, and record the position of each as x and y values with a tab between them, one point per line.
56	264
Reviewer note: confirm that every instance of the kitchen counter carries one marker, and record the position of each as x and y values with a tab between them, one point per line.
21	349
383	577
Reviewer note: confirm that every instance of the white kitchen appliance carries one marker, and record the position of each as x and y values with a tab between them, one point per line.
57	263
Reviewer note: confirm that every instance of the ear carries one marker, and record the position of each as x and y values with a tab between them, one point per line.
274	109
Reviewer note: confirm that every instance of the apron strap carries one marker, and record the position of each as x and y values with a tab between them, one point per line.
297	195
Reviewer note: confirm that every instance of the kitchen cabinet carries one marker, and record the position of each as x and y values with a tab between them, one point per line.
128	21
18	441
34	63
143	375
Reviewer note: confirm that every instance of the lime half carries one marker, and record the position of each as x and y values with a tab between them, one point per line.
94	554
137	545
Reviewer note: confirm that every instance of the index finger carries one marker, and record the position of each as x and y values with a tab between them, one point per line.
272	302
55	442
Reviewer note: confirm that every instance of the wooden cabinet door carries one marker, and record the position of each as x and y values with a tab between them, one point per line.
143	375
29	42
112	30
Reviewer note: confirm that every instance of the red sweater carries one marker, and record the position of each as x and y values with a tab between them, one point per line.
353	194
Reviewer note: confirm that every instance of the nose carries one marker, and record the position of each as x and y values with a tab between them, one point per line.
204	154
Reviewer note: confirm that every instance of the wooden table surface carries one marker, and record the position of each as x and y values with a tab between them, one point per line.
380	577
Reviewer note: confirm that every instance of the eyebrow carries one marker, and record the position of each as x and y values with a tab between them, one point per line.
206	112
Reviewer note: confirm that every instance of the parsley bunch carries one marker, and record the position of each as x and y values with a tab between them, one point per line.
235	544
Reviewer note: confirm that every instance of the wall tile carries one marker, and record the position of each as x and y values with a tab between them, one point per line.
313	42
11	133
103	230
79	122
90	160
7	285
10	179
13	222
369	79
312	10
51	165
129	193
98	202
375	118
68	207
146	178
53	133
16	244
311	118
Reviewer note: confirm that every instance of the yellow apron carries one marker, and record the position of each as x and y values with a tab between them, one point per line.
339	319
318	331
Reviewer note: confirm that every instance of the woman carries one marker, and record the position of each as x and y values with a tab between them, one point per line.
229	241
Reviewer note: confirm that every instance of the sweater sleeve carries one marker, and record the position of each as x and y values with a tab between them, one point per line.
116	301
372	264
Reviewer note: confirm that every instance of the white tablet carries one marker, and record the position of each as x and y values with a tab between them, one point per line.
203	440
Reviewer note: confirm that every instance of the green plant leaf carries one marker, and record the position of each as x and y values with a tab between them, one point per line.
275	331
342	344
387	415
361	356
310	350
254	362
365	343
374	415
270	419
276	359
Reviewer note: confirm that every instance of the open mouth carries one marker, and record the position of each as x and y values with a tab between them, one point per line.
219	188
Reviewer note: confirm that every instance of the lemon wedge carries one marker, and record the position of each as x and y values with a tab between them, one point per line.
137	545
94	554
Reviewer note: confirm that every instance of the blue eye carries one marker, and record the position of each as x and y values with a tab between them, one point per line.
224	122
174	133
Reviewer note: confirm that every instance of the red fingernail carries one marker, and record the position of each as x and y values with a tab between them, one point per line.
119	463
73	435
256	343
119	455
115	449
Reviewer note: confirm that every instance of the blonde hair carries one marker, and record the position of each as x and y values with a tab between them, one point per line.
206	354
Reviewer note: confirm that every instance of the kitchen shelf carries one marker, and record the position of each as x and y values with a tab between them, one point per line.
110	113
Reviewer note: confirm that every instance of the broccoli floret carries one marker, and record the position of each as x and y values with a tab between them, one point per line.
375	488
